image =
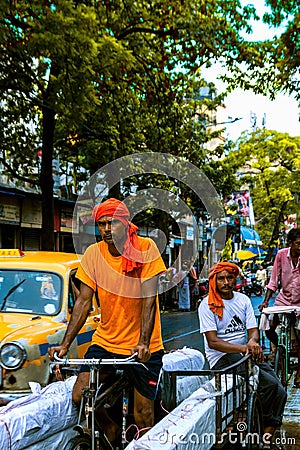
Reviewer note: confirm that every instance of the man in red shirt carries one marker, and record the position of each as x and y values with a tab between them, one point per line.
286	274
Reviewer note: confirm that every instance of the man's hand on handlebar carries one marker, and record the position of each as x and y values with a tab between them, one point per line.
61	351
143	352
263	305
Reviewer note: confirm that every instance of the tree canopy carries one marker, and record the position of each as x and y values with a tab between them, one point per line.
272	174
96	80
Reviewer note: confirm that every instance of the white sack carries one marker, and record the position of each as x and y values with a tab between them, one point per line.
31	419
56	442
182	359
192	424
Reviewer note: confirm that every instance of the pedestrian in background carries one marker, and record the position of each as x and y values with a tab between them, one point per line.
182	281
193	287
261	276
172	288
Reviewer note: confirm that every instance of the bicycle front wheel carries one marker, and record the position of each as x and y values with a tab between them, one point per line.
79	443
255	428
280	365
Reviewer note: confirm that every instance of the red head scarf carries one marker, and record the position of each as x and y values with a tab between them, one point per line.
118	210
215	301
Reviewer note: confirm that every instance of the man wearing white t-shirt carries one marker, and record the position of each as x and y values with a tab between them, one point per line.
230	330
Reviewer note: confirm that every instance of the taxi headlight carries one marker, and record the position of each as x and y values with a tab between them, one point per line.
12	355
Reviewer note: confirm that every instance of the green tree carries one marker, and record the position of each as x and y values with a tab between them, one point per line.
98	80
272	173
46	67
278	71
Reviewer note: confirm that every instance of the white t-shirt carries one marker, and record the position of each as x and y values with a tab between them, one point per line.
238	317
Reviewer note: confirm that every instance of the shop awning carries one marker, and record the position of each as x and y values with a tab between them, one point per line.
250	253
250	236
245	254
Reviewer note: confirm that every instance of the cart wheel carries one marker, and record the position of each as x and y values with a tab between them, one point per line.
280	364
85	443
79	443
255	427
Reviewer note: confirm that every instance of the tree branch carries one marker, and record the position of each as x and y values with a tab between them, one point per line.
18	176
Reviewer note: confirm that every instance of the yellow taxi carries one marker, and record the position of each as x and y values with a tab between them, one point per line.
37	295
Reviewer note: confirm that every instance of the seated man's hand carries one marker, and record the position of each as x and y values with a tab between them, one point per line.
254	348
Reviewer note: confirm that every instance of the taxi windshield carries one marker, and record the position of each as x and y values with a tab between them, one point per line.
32	292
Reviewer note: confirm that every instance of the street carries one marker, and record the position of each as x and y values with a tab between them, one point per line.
182	329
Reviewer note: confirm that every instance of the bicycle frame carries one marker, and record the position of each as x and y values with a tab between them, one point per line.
92	398
282	359
284	341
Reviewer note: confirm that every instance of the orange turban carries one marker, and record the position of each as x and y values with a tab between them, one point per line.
215	301
118	210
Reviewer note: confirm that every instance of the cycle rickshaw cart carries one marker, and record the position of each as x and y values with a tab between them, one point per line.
237	410
285	358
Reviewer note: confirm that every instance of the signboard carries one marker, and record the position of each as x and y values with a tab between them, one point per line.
238	203
9	210
32	213
84	209
189	233
68	223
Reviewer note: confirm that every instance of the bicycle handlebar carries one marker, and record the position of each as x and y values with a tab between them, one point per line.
281	309
97	362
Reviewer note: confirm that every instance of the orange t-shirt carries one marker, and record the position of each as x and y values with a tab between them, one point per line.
121	296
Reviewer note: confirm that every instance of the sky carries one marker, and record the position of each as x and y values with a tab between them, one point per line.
281	115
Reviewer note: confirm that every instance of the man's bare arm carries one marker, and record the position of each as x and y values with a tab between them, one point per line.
252	345
268	295
79	315
149	291
216	343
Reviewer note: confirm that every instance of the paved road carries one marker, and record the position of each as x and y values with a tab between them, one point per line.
182	328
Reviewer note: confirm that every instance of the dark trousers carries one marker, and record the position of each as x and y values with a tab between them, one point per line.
270	390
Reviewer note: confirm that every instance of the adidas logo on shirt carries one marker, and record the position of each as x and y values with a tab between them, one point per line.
235	325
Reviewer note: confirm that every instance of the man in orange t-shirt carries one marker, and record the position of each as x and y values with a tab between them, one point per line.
123	268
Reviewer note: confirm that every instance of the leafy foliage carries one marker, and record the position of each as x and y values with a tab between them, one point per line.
272	173
95	80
